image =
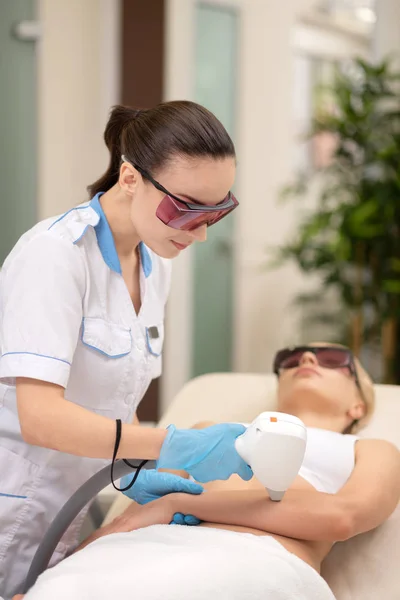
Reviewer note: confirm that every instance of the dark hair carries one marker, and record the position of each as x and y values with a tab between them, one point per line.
151	138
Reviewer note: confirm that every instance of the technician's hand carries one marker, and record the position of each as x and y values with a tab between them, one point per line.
181	519
152	485
207	454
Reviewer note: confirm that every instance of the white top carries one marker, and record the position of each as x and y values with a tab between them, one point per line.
66	316
329	459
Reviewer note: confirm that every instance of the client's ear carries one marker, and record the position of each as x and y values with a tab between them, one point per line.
357	411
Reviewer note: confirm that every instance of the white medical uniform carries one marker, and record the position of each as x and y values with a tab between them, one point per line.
66	317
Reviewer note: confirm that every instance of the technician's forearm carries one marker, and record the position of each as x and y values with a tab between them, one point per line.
52	422
302	514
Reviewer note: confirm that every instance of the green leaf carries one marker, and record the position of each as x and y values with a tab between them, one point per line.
364	211
395	264
392	286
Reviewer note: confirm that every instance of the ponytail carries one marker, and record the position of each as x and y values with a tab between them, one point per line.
120	117
151	138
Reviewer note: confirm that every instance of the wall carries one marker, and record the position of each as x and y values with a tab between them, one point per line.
178	84
387	30
78	82
265	165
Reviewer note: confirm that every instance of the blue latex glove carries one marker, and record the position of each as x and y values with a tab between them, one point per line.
207	454
181	519
151	485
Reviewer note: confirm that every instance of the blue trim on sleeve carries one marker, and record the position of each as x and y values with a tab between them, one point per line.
86	206
40	355
105	237
12	496
145	259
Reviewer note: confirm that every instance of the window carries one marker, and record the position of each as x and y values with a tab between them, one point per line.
361	11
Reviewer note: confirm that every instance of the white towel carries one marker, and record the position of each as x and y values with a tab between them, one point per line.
172	562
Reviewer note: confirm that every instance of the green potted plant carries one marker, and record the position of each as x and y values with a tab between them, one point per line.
351	238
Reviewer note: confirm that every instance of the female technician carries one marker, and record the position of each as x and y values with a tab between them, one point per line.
82	299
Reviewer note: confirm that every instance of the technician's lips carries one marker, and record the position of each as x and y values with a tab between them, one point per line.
180	246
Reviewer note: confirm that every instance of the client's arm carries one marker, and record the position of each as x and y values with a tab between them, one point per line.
302	514
366	500
373	491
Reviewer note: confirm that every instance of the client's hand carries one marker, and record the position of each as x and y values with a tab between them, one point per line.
158	512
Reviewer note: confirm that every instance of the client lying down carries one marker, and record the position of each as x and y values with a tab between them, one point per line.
247	546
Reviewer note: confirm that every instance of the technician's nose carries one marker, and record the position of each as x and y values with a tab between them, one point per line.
199	234
308	358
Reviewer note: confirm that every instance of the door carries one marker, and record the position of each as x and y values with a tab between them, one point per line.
142	64
216	42
18	117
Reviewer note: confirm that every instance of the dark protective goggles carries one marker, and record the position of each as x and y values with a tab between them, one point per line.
329	357
187	216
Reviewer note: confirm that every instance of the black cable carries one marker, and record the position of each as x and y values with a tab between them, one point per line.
69	512
136	475
116	447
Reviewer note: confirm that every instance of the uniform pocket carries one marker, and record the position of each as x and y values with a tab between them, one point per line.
111	340
100	365
18	477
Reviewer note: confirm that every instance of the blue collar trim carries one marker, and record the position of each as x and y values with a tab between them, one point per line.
145	259
105	237
106	243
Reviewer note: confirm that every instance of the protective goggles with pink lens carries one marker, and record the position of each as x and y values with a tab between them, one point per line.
187	216
329	357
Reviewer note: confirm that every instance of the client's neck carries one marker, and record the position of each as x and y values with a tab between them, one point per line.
320	421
